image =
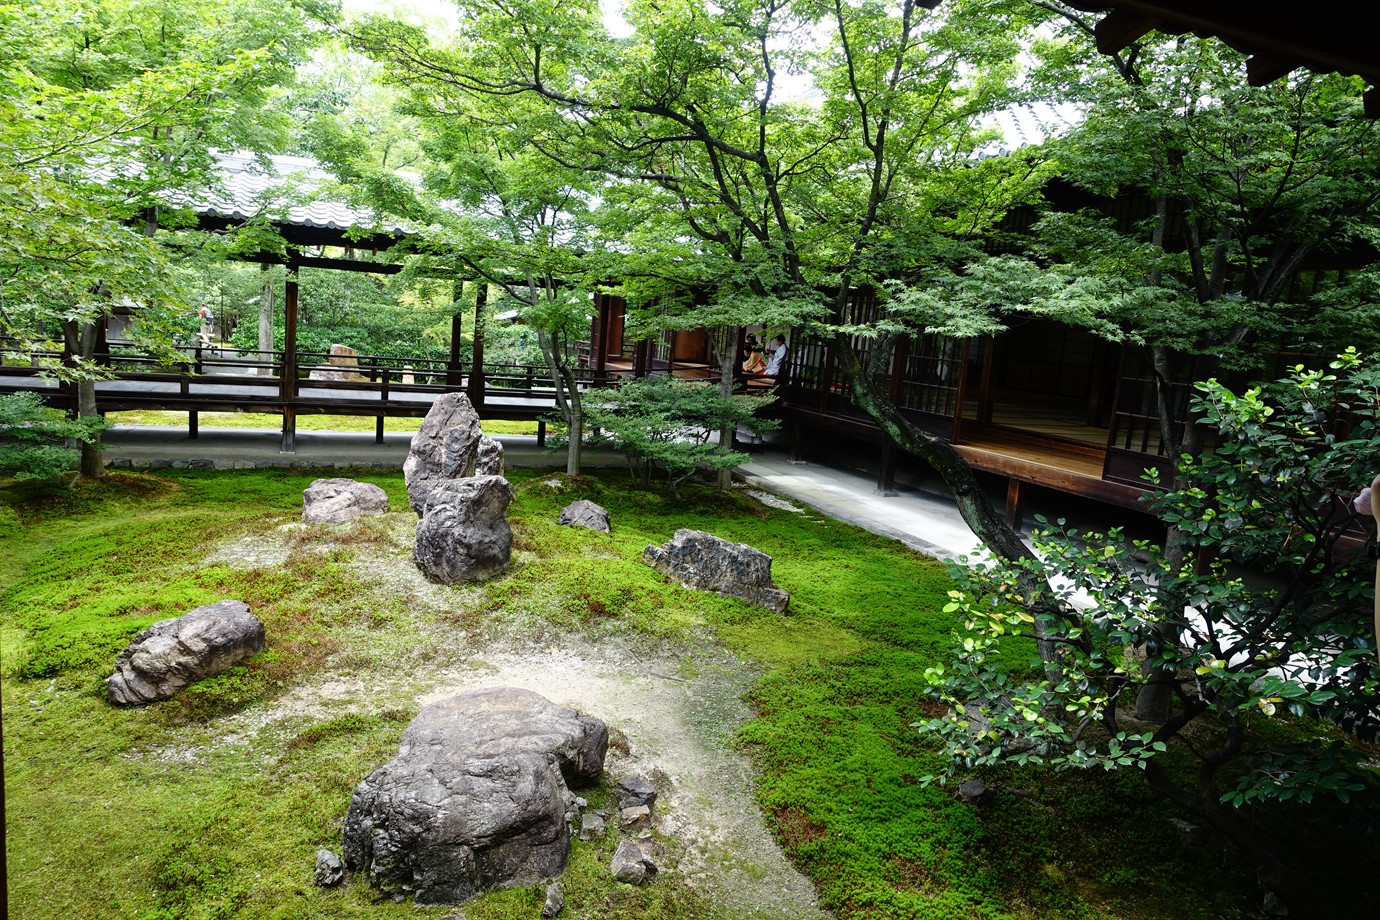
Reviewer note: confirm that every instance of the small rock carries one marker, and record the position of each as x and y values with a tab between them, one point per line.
585	513
971	792
636	816
1273	906
630	865
633	790
335	501
555	899
330	870
1191	833
591	826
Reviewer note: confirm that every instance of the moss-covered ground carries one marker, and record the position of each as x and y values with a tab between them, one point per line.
192	809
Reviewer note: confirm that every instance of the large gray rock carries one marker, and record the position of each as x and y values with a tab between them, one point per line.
446	447
489	460
477	797
464	533
585	513
335	501
701	561
174	654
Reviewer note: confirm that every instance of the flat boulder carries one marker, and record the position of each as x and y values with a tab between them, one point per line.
585	513
464	535
335	501
173	654
476	799
703	562
446	448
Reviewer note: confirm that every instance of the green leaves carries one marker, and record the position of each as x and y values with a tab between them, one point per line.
1293	636
662	422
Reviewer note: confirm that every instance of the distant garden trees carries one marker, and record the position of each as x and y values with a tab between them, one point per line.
110	108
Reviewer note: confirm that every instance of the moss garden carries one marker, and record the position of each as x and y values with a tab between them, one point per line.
212	805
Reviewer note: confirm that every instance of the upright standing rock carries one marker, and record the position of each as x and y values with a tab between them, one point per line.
446	447
173	654
704	562
490	459
464	533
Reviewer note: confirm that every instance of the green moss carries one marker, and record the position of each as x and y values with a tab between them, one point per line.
225	821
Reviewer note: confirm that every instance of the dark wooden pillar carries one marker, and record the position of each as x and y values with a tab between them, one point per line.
289	381
886	474
475	386
192	420
966	353
899	358
989	362
1015	503
599	344
642	357
454	376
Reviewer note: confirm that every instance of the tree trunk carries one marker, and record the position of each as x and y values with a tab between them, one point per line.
977	511
81	345
568	398
727	359
266	296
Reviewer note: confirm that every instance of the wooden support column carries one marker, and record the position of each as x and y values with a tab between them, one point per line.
957	431
1015	503
192	425
288	387
541	432
797	443
475	386
599	344
886	474
989	362
899	359
378	430
454	376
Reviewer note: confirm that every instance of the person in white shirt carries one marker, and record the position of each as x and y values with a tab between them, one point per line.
778	358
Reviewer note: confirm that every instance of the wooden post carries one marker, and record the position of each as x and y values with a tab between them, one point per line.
1015	503
288	386
989	361
600	341
541	432
957	431
378	430
476	383
289	431
886	475
192	425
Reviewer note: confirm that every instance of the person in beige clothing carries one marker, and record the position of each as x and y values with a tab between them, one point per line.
1368	502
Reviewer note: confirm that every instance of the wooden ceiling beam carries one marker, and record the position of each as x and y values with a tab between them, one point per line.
1121	27
1262	69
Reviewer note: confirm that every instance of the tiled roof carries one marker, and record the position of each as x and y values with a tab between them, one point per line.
1028	125
287	189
